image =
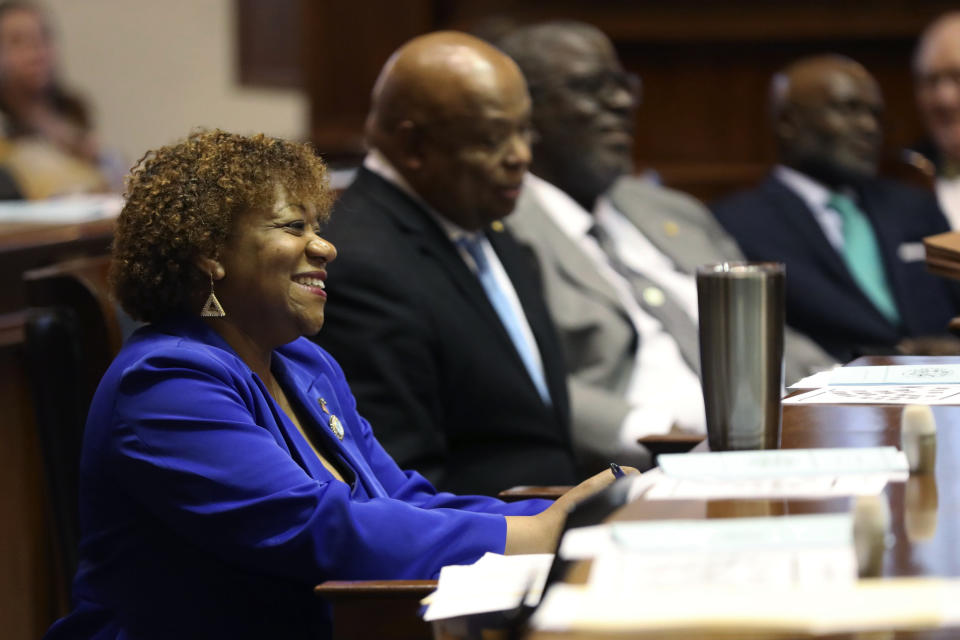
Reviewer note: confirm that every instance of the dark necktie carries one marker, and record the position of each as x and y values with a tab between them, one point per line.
652	299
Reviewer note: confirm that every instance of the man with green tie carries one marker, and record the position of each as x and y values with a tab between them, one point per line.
852	242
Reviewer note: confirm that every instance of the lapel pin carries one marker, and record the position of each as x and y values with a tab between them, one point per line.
653	296
336	427
323	405
671	228
497	226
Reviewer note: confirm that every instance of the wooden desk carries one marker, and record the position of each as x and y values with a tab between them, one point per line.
29	599
925	511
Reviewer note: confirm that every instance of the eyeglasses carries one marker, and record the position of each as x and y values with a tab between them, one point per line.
929	82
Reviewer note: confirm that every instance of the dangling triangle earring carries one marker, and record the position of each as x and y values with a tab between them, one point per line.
212	307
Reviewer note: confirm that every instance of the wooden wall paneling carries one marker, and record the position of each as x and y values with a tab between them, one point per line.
268	43
695	21
705	64
704	123
345	45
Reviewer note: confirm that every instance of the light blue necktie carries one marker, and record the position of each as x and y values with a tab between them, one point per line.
862	255
507	316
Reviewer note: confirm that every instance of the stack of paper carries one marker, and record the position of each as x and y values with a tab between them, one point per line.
781	551
862	606
780	473
898	384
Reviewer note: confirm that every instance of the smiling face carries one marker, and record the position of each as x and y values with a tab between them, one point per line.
273	270
831	126
583	113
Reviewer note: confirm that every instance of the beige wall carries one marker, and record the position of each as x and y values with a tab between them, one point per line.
154	69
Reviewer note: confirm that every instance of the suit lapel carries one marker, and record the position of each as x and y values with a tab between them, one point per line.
648	218
307	393
682	231
421	231
796	213
570	259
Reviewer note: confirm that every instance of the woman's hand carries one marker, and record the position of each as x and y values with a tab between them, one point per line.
539	533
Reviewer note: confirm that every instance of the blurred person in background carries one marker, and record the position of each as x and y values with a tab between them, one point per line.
618	252
857	281
937	73
50	147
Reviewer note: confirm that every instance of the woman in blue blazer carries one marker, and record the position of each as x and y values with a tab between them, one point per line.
225	469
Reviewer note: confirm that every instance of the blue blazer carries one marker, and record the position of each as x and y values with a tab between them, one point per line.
772	223
205	513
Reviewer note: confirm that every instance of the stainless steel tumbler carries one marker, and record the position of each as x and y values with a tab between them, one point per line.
741	353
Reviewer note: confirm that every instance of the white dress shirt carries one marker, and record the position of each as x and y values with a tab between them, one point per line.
664	391
377	163
815	196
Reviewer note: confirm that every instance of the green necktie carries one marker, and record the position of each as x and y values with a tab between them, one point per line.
862	255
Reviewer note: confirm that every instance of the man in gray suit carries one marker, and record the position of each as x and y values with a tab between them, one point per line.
617	253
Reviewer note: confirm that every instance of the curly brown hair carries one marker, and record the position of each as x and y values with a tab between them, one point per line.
181	202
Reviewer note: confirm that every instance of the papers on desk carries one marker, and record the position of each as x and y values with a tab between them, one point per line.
66	210
898	384
783	463
789	573
633	556
815	381
880	394
909	374
861	606
493	583
781	551
781	473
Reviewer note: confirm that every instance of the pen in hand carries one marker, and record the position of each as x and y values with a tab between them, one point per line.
616	470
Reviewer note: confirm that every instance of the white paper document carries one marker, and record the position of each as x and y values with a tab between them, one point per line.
798	487
814	381
782	550
781	463
493	583
908	374
946	394
782	473
773	567
861	606
786	550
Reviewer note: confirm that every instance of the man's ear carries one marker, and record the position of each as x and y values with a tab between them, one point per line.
786	126
210	267
409	145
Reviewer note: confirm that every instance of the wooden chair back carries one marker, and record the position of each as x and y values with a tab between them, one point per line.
72	334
